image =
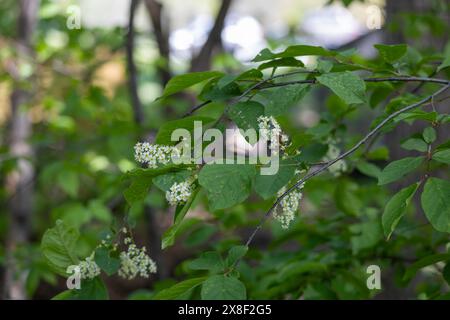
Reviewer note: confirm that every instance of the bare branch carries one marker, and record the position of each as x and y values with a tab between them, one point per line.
154	9
132	71
203	59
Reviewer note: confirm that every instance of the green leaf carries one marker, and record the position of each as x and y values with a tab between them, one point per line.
414	144
169	236
424	262
210	260
58	247
165	181
245	114
138	189
369	169
141	181
165	131
391	53
429	135
283	62
93	289
442	156
179	290
252	74
395	209
436	203
293	51
226	184
68	181
346	85
398	169
236	253
281	99
107	263
268	185
300	267
220	287
187	80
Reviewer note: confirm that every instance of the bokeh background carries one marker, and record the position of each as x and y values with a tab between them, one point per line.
78	83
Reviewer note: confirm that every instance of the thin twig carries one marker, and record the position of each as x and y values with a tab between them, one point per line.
345	154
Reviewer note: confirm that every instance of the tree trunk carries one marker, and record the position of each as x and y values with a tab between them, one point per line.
20	182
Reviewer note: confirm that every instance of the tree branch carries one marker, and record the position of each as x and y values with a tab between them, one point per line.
203	59
345	154
154	10
132	71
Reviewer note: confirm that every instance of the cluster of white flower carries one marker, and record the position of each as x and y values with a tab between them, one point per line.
88	268
271	131
154	154
340	166
179	192
289	206
134	262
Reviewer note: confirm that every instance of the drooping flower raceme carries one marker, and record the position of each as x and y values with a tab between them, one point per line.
88	268
340	166
271	131
288	206
135	262
153	155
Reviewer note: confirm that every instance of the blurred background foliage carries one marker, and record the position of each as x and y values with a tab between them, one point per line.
80	105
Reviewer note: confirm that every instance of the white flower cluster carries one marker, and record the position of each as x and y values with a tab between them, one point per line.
271	131
289	206
154	154
340	166
180	192
88	268
134	262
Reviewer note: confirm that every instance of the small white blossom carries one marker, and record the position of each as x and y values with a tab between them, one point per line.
88	268
271	131
340	166
135	262
179	192
289	206
154	154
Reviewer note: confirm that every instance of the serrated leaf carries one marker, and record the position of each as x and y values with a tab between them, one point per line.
436	203
226	184
165	181
179	290
396	208
442	156
391	53
281	99
181	82
165	131
268	185
107	263
414	144
245	114
293	51
346	85
58	247
398	169
429	135
236	253
222	287
210	260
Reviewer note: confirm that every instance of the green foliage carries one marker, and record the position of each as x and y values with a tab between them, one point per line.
222	287
398	169
436	203
348	86
58	247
